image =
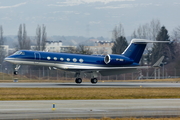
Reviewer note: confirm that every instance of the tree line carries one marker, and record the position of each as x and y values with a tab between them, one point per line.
24	42
151	31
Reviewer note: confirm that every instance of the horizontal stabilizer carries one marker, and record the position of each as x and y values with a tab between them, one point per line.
158	63
144	41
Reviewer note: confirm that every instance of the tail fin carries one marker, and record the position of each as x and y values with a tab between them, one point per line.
136	48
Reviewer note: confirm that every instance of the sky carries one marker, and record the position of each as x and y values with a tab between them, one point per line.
86	17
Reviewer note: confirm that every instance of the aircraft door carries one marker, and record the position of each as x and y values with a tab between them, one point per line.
37	57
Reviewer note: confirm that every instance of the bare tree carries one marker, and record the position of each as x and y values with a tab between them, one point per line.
1	36
38	38
118	31
81	49
139	31
41	38
176	40
176	34
20	39
167	50
44	37
134	35
24	41
143	32
147	31
155	27
2	52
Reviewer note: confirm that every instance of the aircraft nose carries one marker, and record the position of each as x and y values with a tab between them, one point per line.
9	59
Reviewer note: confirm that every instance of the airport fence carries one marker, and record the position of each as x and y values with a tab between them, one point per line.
47	74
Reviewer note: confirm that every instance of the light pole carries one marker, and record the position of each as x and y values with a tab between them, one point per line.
163	63
174	72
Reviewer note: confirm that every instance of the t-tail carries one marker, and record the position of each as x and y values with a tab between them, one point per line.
136	48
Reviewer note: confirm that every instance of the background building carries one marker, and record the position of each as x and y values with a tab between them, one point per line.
53	46
5	48
101	47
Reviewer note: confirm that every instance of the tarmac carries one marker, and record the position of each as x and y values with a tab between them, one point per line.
88	85
89	108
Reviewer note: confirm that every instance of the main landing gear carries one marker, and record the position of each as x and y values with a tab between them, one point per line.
94	80
79	80
16	69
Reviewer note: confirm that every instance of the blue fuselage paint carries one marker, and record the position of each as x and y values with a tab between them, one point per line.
66	58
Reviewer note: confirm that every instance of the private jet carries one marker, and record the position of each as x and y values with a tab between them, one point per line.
80	64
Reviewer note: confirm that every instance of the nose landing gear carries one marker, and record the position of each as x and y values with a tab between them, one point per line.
16	69
15	72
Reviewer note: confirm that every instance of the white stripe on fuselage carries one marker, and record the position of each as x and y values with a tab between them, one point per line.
72	66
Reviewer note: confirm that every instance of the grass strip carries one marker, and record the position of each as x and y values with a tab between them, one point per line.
176	118
87	93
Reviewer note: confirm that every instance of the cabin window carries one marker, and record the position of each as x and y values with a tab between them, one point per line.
48	58
61	59
74	60
81	60
68	59
55	58
121	59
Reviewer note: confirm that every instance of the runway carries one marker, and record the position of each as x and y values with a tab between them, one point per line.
87	85
89	108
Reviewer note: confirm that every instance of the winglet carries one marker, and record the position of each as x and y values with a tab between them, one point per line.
158	63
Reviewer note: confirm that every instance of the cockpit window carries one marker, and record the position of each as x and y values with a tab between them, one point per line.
22	53
19	53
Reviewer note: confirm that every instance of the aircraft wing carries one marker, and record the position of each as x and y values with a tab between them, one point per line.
98	68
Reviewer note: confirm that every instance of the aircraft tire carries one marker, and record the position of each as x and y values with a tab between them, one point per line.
15	72
94	80
78	80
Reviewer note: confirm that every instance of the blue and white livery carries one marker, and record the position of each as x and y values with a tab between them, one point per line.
109	64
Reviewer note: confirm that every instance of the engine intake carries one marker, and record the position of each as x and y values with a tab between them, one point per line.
117	60
107	59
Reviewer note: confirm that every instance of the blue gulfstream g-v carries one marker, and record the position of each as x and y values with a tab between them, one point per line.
109	64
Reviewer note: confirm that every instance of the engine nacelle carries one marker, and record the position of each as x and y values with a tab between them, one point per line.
117	60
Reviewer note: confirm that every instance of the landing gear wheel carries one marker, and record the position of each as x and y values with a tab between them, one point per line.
94	80
78	80
15	72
